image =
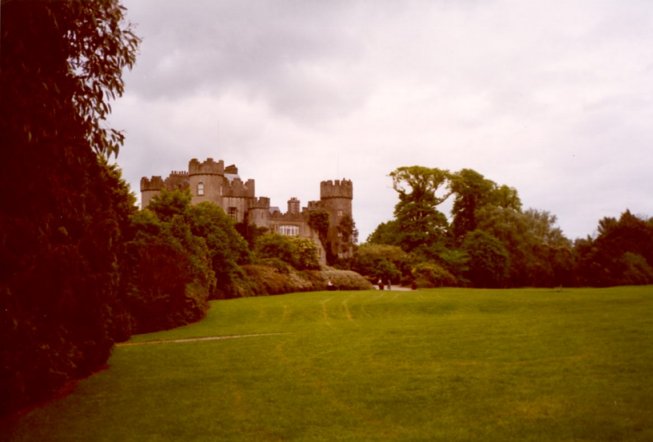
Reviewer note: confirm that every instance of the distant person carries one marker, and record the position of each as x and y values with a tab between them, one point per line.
330	285
389	284
380	283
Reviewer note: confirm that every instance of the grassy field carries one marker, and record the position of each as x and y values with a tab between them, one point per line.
448	364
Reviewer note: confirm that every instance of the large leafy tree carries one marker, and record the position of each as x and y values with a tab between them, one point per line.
473	192
388	232
621	253
488	259
539	253
381	261
63	210
421	190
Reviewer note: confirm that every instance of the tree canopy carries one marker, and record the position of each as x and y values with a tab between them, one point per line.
489	240
65	211
421	190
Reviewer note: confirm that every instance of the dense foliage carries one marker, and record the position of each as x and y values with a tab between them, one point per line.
64	210
300	253
488	240
167	273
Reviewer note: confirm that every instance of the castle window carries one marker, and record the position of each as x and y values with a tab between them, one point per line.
289	230
200	188
233	212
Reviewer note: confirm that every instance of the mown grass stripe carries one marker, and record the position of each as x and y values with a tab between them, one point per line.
199	339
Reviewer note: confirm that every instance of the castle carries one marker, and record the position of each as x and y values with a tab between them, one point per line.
212	181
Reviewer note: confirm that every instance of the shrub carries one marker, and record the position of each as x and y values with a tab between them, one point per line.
169	274
301	253
381	261
430	274
344	280
269	280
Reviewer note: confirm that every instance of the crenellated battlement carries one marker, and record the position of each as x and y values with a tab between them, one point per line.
236	188
337	189
260	203
152	184
212	181
293	205
208	167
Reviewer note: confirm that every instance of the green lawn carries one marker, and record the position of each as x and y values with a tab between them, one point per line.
449	364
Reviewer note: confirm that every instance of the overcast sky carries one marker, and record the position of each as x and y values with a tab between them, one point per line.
553	98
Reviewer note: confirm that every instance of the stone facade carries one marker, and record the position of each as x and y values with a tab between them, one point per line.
212	181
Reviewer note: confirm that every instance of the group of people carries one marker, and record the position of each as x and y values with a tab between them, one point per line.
382	285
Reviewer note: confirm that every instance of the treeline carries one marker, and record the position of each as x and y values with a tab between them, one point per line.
489	240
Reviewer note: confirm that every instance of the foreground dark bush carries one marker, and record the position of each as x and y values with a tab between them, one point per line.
168	273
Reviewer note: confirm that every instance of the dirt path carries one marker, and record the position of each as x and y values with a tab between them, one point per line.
204	338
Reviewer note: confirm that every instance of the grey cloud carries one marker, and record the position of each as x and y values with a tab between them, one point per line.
261	47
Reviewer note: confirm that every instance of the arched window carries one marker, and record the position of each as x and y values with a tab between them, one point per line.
200	188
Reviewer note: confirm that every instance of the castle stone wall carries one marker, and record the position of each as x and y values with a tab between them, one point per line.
211	181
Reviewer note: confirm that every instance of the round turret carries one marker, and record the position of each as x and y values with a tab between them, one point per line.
150	187
206	180
259	212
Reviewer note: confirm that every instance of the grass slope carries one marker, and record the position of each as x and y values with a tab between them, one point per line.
448	364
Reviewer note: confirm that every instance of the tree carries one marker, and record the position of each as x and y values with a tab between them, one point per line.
301	253
431	274
169	273
347	235
381	261
420	192
170	203
473	192
539	253
621	253
227	248
489	261
318	220
63	209
388	233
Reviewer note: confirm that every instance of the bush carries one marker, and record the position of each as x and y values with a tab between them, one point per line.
301	253
344	280
381	261
429	274
168	274
269	280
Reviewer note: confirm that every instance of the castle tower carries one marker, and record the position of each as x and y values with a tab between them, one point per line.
149	189
293	206
206	181
259	212
336	198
